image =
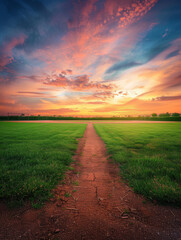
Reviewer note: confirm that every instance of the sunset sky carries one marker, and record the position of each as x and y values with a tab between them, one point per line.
90	58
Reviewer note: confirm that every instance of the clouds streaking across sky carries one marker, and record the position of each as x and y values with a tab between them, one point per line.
94	57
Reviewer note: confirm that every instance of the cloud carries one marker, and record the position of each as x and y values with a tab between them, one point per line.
167	98
165	34
91	31
6	50
105	94
76	82
8	75
119	11
173	54
38	93
123	93
142	55
31	18
150	44
172	82
58	111
170	78
94	29
122	66
95	103
65	72
38	7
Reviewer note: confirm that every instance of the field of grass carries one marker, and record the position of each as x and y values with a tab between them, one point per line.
33	159
149	155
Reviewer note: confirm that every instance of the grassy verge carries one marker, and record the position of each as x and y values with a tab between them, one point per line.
149	157
33	159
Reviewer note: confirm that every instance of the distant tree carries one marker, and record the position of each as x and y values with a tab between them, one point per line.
164	115
154	115
175	114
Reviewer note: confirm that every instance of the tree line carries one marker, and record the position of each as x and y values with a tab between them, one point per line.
154	116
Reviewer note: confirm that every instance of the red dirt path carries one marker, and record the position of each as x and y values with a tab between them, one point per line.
101	206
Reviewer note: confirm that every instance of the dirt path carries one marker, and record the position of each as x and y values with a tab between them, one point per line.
94	203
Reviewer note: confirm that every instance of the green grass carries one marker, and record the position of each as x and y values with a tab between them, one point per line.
76	183
33	159
67	194
149	155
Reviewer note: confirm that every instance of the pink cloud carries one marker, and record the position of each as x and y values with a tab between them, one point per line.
93	33
77	83
65	72
6	50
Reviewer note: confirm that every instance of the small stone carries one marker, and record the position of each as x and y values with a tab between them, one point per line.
108	234
133	209
57	230
53	200
58	204
124	217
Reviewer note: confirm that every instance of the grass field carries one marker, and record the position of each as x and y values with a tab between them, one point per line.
149	156
33	158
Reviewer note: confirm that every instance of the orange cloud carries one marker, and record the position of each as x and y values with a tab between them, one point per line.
167	98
